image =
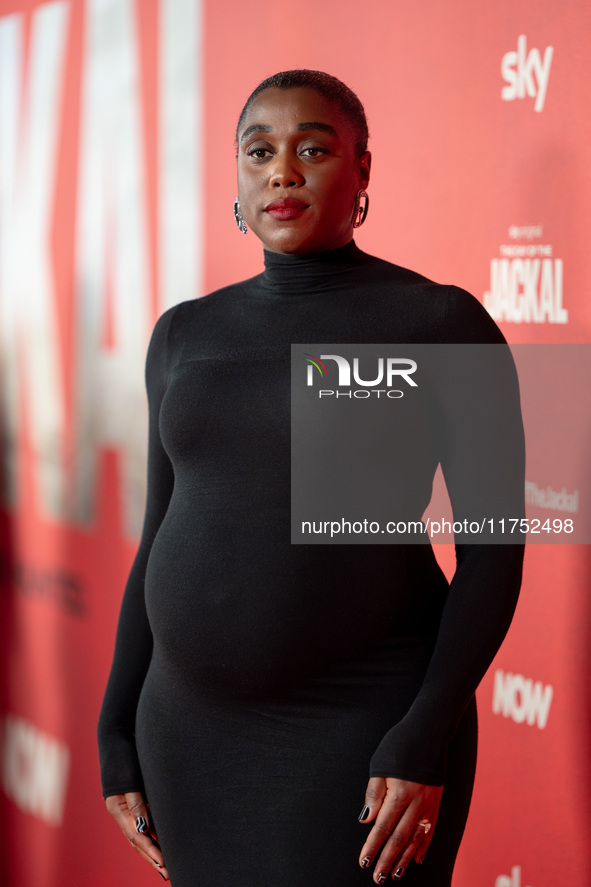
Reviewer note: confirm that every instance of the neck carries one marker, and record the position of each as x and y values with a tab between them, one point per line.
292	271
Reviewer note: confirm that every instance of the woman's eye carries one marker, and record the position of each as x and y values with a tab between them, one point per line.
314	152
258	153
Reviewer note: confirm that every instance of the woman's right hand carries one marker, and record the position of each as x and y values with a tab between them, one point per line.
126	810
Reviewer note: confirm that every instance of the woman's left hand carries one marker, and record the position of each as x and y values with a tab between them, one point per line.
405	816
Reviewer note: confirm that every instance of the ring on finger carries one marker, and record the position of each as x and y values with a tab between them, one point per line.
425	825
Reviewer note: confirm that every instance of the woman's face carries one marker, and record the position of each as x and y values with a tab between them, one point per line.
298	172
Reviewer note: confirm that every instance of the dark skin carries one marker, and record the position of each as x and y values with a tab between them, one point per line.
125	810
295	145
298	174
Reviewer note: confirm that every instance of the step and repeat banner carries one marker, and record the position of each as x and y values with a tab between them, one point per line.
117	178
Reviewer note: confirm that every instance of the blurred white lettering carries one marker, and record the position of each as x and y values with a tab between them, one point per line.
512	880
181	219
35	770
520	699
31	373
112	267
526	73
115	295
526	290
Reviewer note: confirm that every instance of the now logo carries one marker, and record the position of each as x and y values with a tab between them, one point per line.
526	73
521	699
35	768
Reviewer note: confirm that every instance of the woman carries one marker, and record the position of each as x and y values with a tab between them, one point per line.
254	681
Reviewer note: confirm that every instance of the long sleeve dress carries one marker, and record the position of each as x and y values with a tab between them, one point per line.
257	684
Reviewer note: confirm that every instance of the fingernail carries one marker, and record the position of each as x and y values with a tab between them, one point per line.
141	825
422	859
382	877
365	862
162	876
398	873
364	813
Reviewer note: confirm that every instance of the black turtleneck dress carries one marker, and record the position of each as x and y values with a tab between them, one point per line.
257	684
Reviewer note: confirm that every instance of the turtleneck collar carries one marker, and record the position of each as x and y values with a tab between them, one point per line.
292	273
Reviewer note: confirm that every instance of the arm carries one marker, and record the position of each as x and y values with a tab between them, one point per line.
120	769
482	457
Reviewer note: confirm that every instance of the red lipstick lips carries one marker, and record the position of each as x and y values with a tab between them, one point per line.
286	209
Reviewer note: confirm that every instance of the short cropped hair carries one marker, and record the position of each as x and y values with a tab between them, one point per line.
333	89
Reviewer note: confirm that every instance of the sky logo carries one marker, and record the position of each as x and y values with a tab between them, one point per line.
526	73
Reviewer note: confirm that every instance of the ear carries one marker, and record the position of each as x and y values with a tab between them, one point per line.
364	168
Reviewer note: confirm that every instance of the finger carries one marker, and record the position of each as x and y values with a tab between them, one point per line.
374	797
427	837
390	811
416	847
143	839
398	850
131	814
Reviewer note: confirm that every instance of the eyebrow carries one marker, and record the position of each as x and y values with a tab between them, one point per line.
301	127
256	127
323	127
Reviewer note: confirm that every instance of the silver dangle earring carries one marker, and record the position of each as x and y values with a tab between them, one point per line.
238	217
359	210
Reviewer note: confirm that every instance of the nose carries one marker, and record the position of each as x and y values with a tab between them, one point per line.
286	172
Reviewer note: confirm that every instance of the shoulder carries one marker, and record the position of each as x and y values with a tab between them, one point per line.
187	329
467	321
381	269
432	311
175	320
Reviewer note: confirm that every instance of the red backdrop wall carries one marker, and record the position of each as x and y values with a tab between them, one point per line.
116	186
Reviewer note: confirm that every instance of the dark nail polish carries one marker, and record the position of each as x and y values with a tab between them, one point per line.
422	859
141	825
364	813
162	876
382	877
398	873
365	862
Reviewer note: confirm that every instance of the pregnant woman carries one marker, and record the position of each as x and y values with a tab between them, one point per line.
263	693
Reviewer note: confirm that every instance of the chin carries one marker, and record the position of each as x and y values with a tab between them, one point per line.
294	246
288	245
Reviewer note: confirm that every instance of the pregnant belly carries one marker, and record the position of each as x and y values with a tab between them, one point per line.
235	608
